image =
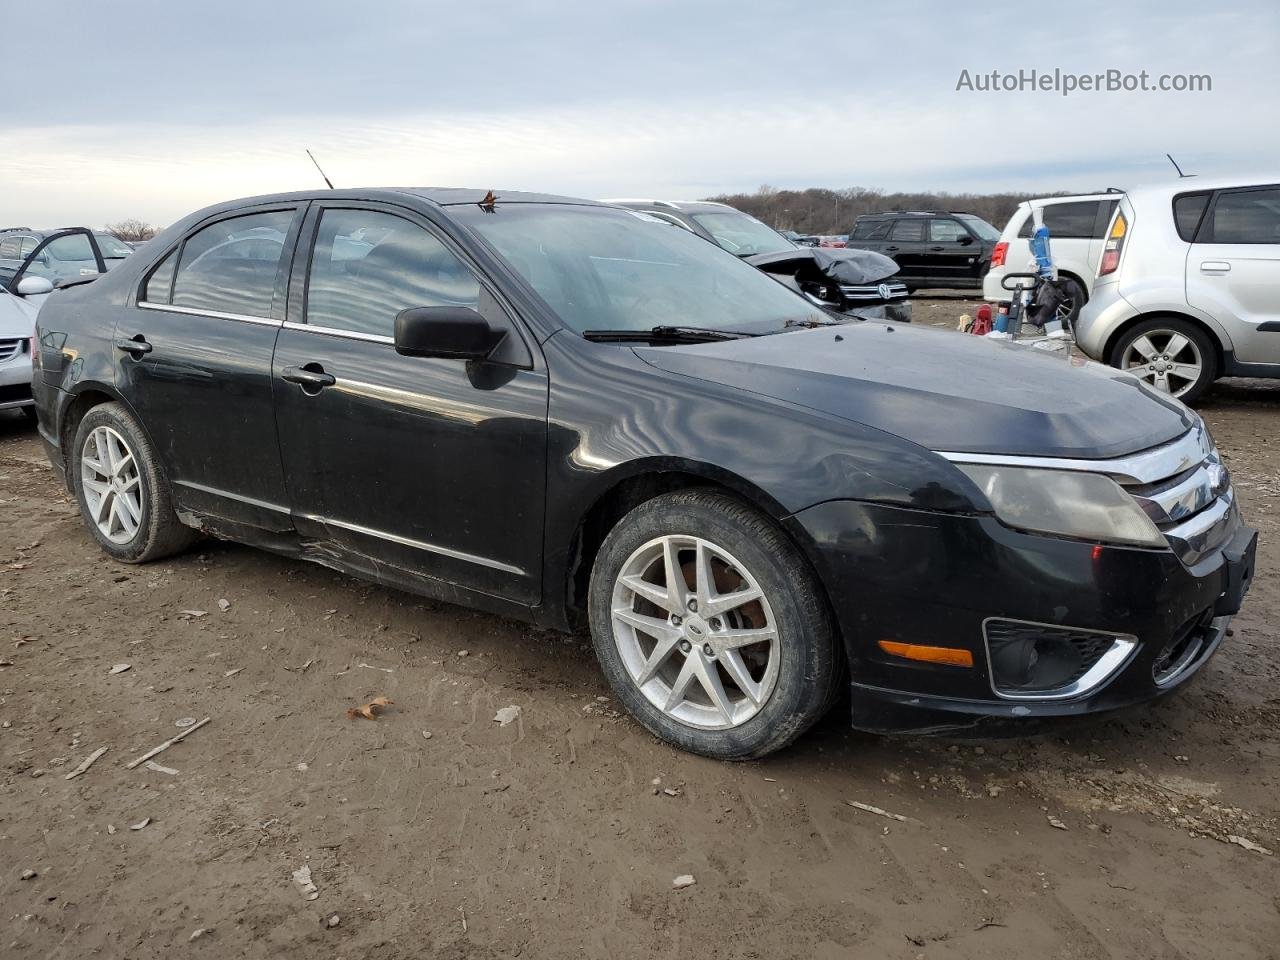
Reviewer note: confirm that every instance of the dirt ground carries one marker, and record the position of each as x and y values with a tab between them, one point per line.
559	834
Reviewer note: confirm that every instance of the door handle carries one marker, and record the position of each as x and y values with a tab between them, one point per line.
935	249
135	347
310	377
891	248
1215	266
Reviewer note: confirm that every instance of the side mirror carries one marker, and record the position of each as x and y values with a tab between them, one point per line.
34	286
454	333
966	240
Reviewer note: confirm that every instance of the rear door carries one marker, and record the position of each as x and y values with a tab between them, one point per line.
193	358
905	244
433	466
1233	269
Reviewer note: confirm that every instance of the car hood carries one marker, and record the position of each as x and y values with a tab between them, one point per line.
17	316
841	265
942	390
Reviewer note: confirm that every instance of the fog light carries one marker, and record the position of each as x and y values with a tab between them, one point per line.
1037	661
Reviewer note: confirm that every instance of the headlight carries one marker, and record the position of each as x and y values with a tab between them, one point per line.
1086	506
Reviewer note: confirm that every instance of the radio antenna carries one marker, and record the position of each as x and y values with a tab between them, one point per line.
1181	175
330	182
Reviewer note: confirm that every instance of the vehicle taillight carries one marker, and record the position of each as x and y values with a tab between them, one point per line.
1114	245
999	253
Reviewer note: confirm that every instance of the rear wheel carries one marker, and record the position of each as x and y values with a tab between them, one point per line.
1172	355
710	626
123	494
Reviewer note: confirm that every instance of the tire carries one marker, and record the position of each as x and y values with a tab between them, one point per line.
793	675
1075	293
130	529
1165	345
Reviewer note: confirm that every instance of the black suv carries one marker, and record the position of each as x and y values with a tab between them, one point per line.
931	249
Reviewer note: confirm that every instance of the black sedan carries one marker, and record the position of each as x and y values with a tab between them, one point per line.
565	412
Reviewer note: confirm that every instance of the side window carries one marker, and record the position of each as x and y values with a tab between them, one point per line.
1246	216
871	230
231	266
1188	210
159	288
367	266
946	231
907	230
9	247
1066	221
29	245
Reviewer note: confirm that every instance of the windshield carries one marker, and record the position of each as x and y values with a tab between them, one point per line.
112	248
742	235
601	268
984	230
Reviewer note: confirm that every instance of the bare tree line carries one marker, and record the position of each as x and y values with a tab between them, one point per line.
132	230
819	210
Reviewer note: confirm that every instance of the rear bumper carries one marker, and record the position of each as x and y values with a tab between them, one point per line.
936	579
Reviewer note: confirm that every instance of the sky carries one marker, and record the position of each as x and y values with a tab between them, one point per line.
149	110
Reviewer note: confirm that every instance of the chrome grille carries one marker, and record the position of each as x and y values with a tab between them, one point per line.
10	348
863	292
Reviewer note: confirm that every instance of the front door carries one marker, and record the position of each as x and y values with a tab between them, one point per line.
1233	270
193	358
432	466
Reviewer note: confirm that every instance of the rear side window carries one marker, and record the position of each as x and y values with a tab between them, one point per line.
871	230
9	248
159	288
367	266
907	230
231	266
1066	221
1188	210
1246	216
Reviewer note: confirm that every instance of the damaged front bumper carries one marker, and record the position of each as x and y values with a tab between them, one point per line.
1140	621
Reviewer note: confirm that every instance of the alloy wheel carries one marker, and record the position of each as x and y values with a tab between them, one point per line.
695	632
1166	359
112	485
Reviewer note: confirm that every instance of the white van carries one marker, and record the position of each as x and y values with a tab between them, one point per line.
1077	229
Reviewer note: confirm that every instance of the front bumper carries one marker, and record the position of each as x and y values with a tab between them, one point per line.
893	312
936	579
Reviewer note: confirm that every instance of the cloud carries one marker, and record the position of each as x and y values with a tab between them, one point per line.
162	108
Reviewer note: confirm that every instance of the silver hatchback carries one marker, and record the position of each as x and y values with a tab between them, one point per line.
1188	285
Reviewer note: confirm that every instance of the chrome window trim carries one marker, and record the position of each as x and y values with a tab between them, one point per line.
409	542
336	332
216	314
1109	664
1148	466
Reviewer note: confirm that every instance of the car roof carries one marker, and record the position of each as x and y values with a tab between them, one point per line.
441	196
1194	184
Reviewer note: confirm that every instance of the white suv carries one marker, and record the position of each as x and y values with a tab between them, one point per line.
1188	285
1077	228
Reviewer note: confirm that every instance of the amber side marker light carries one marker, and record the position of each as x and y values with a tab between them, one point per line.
952	656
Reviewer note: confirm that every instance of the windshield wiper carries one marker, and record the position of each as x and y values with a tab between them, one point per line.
667	334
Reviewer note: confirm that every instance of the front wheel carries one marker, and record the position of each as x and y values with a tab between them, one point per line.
1172	355
711	628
